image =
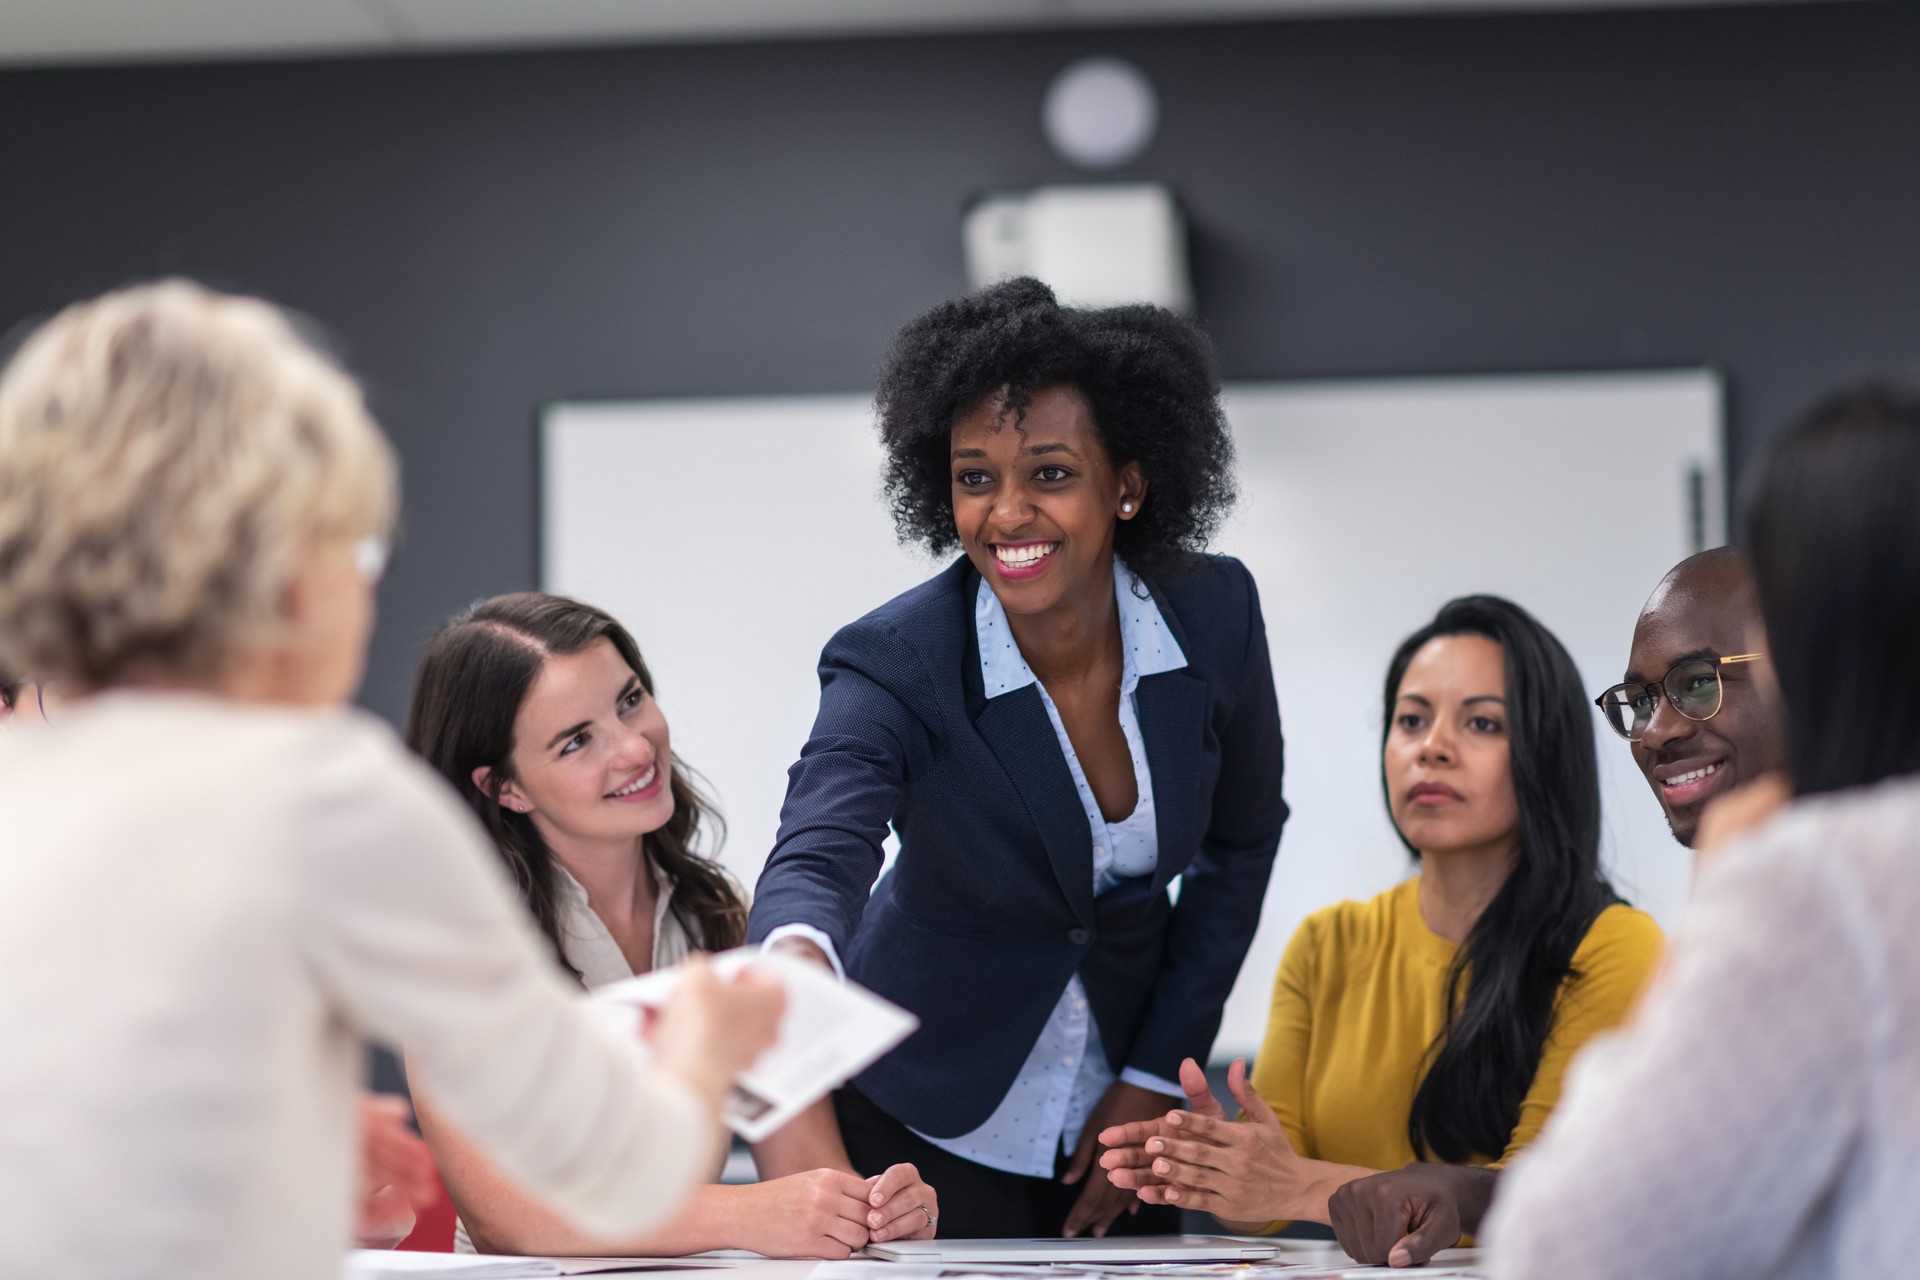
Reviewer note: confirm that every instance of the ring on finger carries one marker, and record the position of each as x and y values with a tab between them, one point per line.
932	1222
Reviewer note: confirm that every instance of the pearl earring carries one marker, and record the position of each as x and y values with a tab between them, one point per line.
1126	508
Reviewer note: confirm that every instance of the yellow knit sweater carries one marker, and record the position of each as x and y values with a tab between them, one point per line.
1359	997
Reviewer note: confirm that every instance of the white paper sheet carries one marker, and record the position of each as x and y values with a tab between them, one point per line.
382	1264
829	1032
377	1264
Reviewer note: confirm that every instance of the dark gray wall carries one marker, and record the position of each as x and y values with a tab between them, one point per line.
1736	187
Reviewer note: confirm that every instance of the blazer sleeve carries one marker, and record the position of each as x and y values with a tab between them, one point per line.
1222	890
844	790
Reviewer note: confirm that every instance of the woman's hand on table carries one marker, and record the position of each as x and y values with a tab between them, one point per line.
902	1206
1245	1172
830	1213
818	1214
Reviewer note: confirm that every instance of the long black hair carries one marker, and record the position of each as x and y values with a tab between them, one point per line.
1831	521
1503	982
473	676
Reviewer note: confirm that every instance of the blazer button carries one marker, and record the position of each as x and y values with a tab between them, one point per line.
1079	937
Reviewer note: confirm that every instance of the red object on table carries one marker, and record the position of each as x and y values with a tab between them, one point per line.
433	1225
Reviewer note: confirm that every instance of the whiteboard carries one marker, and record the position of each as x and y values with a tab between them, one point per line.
734	536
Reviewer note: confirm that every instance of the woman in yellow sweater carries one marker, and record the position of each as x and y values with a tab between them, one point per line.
1435	1021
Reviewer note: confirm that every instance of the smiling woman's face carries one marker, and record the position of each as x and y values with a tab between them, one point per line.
1448	768
591	758
1035	499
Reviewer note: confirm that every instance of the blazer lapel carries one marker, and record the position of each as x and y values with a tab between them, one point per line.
1017	730
1173	715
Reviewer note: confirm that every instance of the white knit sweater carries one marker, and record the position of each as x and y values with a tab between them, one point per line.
204	909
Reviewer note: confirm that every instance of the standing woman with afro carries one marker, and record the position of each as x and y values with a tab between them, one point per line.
1073	716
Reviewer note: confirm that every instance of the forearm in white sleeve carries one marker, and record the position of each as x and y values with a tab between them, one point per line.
808	933
412	927
1152	1083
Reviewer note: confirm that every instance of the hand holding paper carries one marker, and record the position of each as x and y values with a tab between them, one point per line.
828	1032
711	1030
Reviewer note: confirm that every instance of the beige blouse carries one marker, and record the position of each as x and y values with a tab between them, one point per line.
205	908
590	947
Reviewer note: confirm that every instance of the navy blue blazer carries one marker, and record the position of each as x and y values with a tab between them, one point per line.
989	909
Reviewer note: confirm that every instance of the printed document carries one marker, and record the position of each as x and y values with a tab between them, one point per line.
830	1032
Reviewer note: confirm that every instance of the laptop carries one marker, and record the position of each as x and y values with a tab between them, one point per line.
1137	1249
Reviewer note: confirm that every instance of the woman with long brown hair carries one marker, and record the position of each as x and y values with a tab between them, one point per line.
540	712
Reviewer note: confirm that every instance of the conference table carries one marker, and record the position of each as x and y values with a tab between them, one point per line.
1304	1259
1312	1258
1310	1255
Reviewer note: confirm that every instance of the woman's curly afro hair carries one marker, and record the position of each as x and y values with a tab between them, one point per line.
1146	374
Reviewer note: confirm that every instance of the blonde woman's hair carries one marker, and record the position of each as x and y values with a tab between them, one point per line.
165	454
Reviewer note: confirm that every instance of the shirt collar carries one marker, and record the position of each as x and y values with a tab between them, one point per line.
585	939
1147	646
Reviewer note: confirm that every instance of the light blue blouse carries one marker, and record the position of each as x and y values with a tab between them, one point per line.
1066	1073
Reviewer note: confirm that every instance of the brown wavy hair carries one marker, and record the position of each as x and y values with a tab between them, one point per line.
473	677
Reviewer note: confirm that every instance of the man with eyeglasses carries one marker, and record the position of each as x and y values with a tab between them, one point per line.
1698	722
1699	725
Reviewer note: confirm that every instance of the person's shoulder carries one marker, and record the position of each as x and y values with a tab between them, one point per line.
1621	936
1212	606
1341	942
350	740
932	603
1359	924
1883	820
921	630
354	758
283	751
365	811
1860	846
1211	584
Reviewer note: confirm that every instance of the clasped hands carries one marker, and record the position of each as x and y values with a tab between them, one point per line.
1247	1174
831	1214
825	1213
